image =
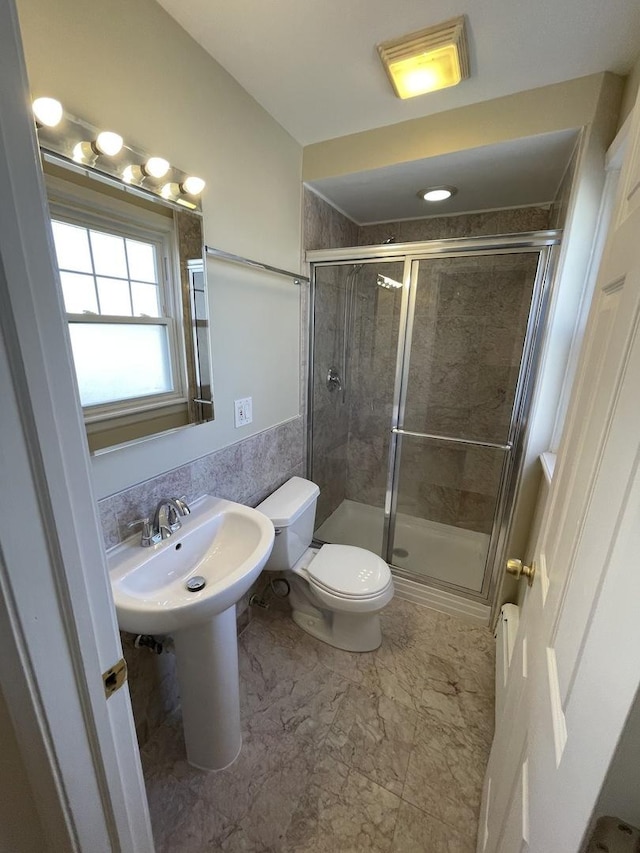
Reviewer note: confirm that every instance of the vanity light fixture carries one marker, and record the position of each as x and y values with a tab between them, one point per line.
47	111
190	186
106	142
437	193
193	185
104	155
156	167
427	60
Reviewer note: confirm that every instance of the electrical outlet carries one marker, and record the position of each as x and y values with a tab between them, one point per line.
243	411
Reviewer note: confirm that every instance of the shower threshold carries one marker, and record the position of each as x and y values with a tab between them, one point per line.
427	549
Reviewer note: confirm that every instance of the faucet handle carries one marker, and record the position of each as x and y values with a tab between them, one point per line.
148	536
182	505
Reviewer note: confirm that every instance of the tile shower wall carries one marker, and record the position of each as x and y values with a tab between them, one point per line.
245	472
374	332
451	486
491	222
464	366
470	323
324	226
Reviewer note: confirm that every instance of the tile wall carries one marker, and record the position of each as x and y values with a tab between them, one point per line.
324	226
466	351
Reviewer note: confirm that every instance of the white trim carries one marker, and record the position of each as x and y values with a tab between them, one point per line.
56	612
613	162
438	599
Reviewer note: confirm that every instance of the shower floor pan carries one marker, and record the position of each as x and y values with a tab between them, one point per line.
426	548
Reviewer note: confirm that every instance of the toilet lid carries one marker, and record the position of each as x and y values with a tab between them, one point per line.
350	571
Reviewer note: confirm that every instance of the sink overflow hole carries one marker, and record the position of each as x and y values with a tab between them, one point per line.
178	546
196	583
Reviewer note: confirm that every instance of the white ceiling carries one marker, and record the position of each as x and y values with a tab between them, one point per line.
313	64
510	174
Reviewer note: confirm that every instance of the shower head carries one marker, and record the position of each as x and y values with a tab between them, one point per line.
388	283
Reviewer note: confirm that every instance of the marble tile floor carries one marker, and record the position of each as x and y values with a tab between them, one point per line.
383	751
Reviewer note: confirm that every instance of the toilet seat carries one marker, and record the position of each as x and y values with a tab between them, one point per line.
349	572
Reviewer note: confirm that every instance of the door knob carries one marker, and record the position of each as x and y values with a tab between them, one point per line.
518	570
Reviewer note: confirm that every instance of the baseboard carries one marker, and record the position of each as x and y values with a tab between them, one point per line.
438	599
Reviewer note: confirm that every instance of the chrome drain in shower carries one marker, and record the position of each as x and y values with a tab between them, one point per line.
400	552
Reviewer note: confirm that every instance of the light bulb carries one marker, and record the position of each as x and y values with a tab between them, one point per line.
157	167
437	193
84	152
132	175
193	185
170	191
109	143
47	111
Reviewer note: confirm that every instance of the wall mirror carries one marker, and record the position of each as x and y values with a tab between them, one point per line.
133	279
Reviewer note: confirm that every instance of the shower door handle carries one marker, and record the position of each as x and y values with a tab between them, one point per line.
334	383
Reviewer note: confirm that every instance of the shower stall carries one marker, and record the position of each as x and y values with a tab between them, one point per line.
422	361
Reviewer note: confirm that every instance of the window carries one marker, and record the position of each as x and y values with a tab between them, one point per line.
121	308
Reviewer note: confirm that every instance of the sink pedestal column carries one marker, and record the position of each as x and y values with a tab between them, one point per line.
207	662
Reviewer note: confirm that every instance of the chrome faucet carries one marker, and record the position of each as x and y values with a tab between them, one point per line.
165	521
167	517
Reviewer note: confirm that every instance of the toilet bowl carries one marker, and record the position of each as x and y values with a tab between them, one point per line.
337	591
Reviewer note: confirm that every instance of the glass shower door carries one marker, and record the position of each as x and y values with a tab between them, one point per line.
467	326
356	330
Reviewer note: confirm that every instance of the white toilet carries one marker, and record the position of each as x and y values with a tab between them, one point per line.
337	591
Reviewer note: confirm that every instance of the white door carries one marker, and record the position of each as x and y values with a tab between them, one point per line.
57	622
576	668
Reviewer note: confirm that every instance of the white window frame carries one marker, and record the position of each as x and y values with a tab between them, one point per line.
78	205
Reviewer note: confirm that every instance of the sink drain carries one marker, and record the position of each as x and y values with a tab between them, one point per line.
196	583
400	552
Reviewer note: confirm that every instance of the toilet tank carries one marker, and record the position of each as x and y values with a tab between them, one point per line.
292	510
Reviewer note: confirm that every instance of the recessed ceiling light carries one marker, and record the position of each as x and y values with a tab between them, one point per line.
437	193
427	60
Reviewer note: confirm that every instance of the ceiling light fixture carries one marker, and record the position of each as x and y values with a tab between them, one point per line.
47	111
427	60
437	193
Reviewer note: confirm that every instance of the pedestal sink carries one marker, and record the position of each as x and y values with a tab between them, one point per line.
187	586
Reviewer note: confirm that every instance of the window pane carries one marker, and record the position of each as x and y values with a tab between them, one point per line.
114	296
145	299
72	247
79	293
142	261
118	362
108	254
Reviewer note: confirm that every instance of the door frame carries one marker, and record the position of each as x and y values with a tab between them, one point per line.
57	618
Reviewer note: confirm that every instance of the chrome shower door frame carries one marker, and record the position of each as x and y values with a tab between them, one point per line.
542	242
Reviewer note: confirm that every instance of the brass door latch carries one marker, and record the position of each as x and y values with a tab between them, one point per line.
115	677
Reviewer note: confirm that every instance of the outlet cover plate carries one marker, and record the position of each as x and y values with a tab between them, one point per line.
243	411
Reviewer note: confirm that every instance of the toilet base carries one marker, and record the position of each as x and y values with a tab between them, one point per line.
346	631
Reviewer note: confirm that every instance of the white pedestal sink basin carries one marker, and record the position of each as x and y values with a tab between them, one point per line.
225	545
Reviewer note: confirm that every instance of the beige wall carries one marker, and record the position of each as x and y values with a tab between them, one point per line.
126	65
630	93
571	104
